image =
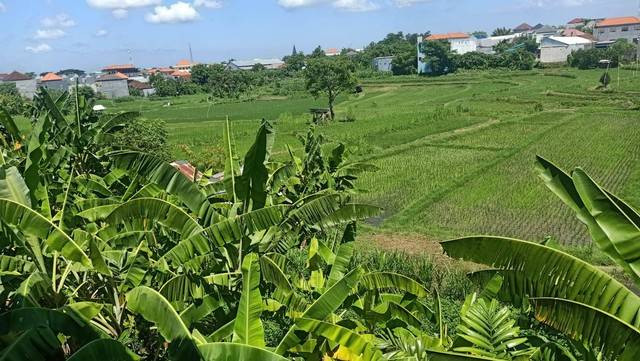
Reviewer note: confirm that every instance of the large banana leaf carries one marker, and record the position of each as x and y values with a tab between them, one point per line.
58	321
7	121
340	264
539	271
350	212
195	312
321	308
618	226
13	187
248	326
564	186
435	355
357	344
155	308
148	211
32	223
617	339
15	266
271	272
227	231
36	344
252	184
231	168
381	281
103	350
158	171
223	351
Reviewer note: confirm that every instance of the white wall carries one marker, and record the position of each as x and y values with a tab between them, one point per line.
462	46
612	33
558	53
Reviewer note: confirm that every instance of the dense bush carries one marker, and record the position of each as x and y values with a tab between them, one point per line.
144	135
514	60
619	52
11	100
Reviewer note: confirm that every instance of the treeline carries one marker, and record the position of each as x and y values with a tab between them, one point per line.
619	52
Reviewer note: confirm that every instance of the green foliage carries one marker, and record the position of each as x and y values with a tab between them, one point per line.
501	32
619	52
143	135
405	62
438	57
330	77
11	100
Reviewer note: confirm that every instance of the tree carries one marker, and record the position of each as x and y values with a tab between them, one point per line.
480	34
143	135
294	62
501	32
405	63
11	99
438	57
317	52
330	77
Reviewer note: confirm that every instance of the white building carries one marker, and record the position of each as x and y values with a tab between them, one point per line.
556	49
461	43
612	29
383	63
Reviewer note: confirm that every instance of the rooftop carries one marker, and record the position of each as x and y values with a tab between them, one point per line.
576	32
570	40
15	76
625	20
576	21
114	76
51	77
119	67
523	27
447	36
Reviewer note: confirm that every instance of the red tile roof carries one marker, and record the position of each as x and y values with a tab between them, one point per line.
115	76
576	21
181	74
15	76
523	27
118	67
332	51
447	36
626	20
51	77
576	32
139	85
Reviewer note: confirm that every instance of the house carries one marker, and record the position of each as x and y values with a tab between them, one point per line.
523	28
544	32
164	71
181	74
249	64
461	43
145	88
486	45
576	32
53	81
612	29
25	84
332	52
556	49
574	23
184	65
382	63
127	69
112	86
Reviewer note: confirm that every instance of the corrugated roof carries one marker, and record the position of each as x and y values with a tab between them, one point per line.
625	20
115	76
51	77
447	36
546	29
15	76
576	32
570	40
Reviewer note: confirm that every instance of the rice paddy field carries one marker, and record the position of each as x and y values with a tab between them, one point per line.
455	153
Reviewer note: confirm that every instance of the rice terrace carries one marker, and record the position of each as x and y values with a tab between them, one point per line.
456	154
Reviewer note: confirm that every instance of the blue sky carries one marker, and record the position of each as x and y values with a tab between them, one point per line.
44	35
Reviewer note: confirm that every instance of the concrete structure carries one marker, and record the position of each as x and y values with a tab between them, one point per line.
461	43
112	86
556	49
544	31
612	29
129	70
145	88
181	74
382	63
249	64
26	85
54	82
486	45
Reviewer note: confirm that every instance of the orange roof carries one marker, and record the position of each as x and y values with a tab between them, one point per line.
447	36
625	20
184	62
332	51
118	67
51	77
115	76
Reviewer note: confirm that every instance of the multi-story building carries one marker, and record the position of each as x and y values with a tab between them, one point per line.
612	29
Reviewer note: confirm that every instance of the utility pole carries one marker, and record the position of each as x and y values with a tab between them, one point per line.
190	54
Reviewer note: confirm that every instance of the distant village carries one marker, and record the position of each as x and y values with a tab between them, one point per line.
556	43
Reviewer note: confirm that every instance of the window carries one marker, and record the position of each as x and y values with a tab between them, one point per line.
625	28
613	30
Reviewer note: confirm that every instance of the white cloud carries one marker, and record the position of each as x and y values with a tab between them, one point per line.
179	12
58	21
292	4
2	7
102	32
40	48
120	13
566	3
211	4
355	5
121	4
406	3
49	34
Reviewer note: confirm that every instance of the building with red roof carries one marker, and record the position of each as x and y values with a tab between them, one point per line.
25	84
612	29
461	43
53	81
126	69
113	85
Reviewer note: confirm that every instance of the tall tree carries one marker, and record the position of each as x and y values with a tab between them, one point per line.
501	32
330	77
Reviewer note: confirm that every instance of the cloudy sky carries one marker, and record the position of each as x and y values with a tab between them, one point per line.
43	35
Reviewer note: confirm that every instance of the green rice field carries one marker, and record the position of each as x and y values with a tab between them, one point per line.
455	153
